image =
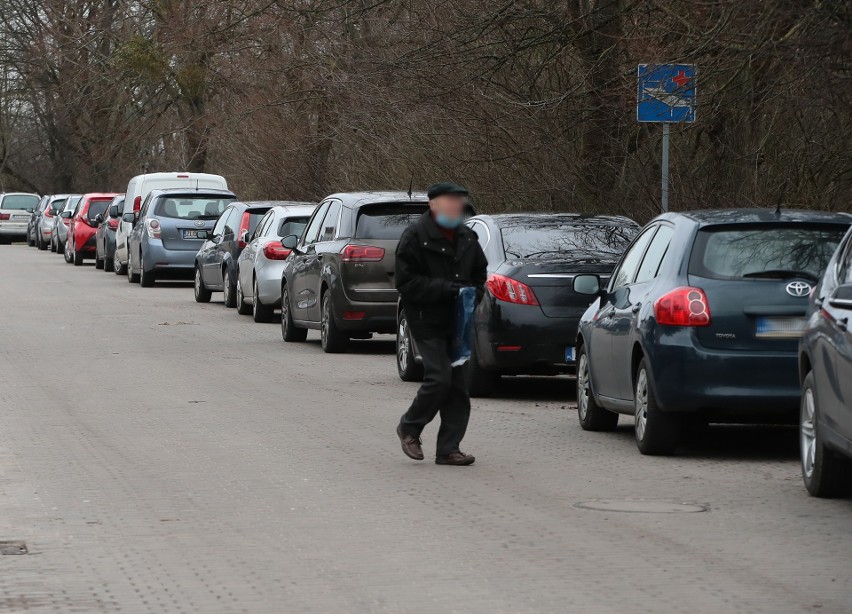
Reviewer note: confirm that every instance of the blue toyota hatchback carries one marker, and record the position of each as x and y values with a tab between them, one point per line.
700	322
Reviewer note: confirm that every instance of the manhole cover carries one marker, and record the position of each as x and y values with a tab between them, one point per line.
13	547
642	506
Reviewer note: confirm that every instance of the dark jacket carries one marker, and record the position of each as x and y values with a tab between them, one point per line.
427	265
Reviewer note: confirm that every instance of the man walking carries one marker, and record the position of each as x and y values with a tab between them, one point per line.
436	257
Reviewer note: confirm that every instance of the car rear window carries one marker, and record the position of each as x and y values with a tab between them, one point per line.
589	241
292	226
255	215
96	208
387	221
19	201
192	207
57	205
764	251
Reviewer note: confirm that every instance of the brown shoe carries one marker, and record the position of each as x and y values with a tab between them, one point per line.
410	444
459	459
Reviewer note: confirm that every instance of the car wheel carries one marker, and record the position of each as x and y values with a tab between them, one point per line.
332	339
229	289
99	262
78	258
592	416
109	265
289	331
146	278
262	313
52	245
67	254
406	365
202	294
825	472
657	432
117	267
480	381
31	239
132	277
40	244
243	308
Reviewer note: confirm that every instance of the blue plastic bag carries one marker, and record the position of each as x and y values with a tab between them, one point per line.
463	333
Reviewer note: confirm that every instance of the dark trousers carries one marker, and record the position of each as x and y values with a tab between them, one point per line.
444	390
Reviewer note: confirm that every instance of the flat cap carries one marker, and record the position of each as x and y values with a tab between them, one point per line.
446	187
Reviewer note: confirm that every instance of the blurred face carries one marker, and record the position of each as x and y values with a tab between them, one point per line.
448	206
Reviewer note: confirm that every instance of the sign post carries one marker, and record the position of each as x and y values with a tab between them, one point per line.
666	95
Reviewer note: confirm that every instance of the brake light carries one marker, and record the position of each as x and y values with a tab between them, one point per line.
153	228
183	176
244	226
276	251
362	253
113	223
683	307
137	204
510	290
5	216
66	221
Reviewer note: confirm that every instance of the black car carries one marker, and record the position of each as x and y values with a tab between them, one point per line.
216	262
527	322
105	234
701	321
825	368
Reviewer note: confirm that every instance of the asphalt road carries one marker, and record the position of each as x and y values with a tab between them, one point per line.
157	455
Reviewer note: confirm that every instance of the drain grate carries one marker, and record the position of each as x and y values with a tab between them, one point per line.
13	547
642	506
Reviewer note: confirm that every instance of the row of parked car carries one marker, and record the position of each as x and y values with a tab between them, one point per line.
729	316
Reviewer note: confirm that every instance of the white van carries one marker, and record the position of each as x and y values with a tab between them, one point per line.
139	188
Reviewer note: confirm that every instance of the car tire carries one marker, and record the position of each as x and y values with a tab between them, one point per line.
132	277
99	262
332	339
109	265
40	244
117	267
32	241
52	245
289	331
260	312
146	278
657	433
202	294
78	258
66	253
229	289
406	365
243	308
592	416
824	471
481	382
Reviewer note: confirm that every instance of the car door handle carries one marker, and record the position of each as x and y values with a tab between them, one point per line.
636	308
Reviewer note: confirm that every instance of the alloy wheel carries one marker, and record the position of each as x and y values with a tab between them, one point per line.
807	433
641	404
583	386
324	323
226	289
403	344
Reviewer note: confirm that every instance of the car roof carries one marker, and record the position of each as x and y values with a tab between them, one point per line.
2	194
707	217
100	195
525	219
188	191
279	203
356	199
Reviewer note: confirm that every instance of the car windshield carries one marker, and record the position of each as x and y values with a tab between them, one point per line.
19	201
551	239
192	207
96	208
386	221
769	251
292	226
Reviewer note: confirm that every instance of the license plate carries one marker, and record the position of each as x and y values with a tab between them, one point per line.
570	354
190	234
779	328
20	217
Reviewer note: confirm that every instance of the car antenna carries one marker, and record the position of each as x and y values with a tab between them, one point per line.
778	210
196	185
411	186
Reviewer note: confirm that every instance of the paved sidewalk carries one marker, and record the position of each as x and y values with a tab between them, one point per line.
157	455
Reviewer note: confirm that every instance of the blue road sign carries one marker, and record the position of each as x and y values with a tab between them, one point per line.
666	93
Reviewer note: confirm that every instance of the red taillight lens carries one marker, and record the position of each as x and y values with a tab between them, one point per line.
244	226
276	251
683	307
510	290
353	315
137	204
5	216
113	223
362	253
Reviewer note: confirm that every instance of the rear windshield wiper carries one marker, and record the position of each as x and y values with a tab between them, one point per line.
782	274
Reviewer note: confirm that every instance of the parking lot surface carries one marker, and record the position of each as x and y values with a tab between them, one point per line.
157	455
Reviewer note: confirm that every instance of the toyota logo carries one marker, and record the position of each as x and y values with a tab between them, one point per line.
798	288
200	224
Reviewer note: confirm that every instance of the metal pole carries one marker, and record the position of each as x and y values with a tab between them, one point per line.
665	199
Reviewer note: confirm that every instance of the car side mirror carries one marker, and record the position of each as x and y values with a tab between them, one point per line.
587	284
130	218
66	215
99	219
290	241
841	298
244	236
113	211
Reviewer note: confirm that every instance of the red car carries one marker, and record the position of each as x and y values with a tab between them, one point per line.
84	224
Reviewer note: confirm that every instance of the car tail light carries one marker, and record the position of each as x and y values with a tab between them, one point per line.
276	251
183	176
113	223
153	228
683	307
244	226
66	221
5	216
354	315
510	290
362	253
137	204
